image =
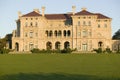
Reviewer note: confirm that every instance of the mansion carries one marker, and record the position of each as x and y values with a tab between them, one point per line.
81	30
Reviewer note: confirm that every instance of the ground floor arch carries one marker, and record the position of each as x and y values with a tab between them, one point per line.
57	45
16	46
66	45
48	45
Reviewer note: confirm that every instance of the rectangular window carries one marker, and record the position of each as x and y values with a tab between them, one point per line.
89	23
105	25
84	33
36	34
84	23
78	23
31	34
31	46
98	25
25	34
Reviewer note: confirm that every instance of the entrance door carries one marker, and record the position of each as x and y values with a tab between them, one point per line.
84	47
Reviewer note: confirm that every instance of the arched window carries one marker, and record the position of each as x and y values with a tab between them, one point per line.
46	32
59	33
66	45
57	45
48	45
55	33
16	46
64	32
100	44
50	33
68	33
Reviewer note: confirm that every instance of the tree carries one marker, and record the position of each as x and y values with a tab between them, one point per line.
116	35
2	43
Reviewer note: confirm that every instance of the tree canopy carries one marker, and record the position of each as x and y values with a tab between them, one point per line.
116	35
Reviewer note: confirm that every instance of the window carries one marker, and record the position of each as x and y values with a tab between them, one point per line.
98	25
25	34
36	34
89	23
105	25
89	17
84	23
31	34
78	23
36	24
84	17
36	18
31	46
26	18
31	24
68	33
84	33
31	18
26	24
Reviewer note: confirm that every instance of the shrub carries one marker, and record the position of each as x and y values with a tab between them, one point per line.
35	50
99	50
108	50
4	51
68	50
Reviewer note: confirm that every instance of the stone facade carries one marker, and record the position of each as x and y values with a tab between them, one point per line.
82	30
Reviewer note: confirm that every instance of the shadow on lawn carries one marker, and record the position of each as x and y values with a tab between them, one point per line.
52	76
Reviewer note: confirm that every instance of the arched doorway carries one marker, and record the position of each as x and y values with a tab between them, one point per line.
66	45
100	44
49	45
57	45
16	46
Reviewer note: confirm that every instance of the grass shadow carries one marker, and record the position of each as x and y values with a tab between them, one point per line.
53	76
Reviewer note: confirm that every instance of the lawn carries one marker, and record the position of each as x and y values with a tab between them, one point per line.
60	67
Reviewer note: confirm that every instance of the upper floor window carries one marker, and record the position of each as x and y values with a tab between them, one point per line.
31	18
26	18
31	35
36	34
36	24
89	23
84	17
98	25
105	25
26	24
36	18
78	23
84	33
31	24
84	23
26	35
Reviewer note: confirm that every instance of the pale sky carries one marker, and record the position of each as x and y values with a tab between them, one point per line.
10	8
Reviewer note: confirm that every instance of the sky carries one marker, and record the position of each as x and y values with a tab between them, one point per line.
9	10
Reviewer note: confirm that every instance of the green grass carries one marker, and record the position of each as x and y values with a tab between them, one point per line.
60	67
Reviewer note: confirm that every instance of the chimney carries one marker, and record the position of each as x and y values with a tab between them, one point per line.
43	11
73	9
19	14
36	10
84	9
